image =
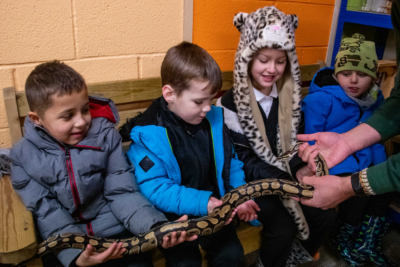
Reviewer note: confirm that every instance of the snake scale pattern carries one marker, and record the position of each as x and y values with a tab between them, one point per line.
198	226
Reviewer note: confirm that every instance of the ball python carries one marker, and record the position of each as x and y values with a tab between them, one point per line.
199	226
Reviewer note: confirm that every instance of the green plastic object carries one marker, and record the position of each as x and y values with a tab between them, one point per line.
354	5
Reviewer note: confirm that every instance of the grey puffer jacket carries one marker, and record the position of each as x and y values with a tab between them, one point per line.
86	188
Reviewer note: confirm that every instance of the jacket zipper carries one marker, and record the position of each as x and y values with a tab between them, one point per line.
74	188
71	176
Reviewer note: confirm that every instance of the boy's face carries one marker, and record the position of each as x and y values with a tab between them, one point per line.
192	104
354	83
268	66
68	119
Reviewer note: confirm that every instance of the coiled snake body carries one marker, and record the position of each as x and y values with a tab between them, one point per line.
198	226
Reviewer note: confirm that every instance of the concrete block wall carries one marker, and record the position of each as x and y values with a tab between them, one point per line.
214	31
104	40
109	40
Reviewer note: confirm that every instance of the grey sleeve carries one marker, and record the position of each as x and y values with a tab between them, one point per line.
122	192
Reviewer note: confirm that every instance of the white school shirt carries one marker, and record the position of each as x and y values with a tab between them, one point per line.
266	100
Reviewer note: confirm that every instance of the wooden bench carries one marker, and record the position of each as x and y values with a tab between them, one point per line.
130	97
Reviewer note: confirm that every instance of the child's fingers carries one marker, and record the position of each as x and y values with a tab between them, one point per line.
181	238
183	218
255	206
173	238
106	255
88	251
117	250
165	242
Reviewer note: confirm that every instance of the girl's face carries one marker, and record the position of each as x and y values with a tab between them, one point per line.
268	66
354	83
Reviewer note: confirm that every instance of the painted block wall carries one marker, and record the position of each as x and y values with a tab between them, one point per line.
214	31
104	40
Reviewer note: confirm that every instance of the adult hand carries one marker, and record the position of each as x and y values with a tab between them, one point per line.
330	145
247	211
90	258
329	191
213	203
175	238
336	147
304	171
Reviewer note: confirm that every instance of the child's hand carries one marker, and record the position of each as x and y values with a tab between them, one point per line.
90	258
174	240
212	203
231	218
304	171
247	211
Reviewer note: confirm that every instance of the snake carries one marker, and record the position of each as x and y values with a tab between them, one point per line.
202	226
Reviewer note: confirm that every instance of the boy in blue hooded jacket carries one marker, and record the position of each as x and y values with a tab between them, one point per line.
183	155
339	99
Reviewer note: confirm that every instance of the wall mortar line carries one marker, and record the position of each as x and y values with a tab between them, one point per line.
74	29
14	76
139	67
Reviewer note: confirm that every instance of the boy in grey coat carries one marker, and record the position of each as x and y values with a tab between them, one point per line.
70	169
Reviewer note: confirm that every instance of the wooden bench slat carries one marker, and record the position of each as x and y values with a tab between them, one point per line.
123	92
12	114
17	230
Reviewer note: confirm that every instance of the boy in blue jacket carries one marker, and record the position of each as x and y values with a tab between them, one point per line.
339	99
70	170
183	156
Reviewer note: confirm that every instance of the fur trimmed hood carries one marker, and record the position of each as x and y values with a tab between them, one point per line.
267	27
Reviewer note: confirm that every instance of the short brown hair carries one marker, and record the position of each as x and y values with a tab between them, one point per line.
186	62
48	79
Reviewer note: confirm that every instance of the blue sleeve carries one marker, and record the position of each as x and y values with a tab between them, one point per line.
378	154
237	177
316	107
163	191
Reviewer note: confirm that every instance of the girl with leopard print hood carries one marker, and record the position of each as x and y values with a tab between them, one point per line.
262	111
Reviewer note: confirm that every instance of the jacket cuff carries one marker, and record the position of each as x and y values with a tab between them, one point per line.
68	256
204	202
384	125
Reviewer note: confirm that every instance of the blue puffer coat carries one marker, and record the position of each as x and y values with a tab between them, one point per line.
86	188
327	108
161	183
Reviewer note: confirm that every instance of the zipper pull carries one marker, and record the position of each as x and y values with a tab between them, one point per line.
67	153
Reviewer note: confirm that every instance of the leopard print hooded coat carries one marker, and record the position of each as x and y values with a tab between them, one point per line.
268	27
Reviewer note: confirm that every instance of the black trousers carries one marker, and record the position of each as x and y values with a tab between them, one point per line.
352	210
223	250
280	230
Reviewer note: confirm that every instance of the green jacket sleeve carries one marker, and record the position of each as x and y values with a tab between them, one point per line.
386	119
385	177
